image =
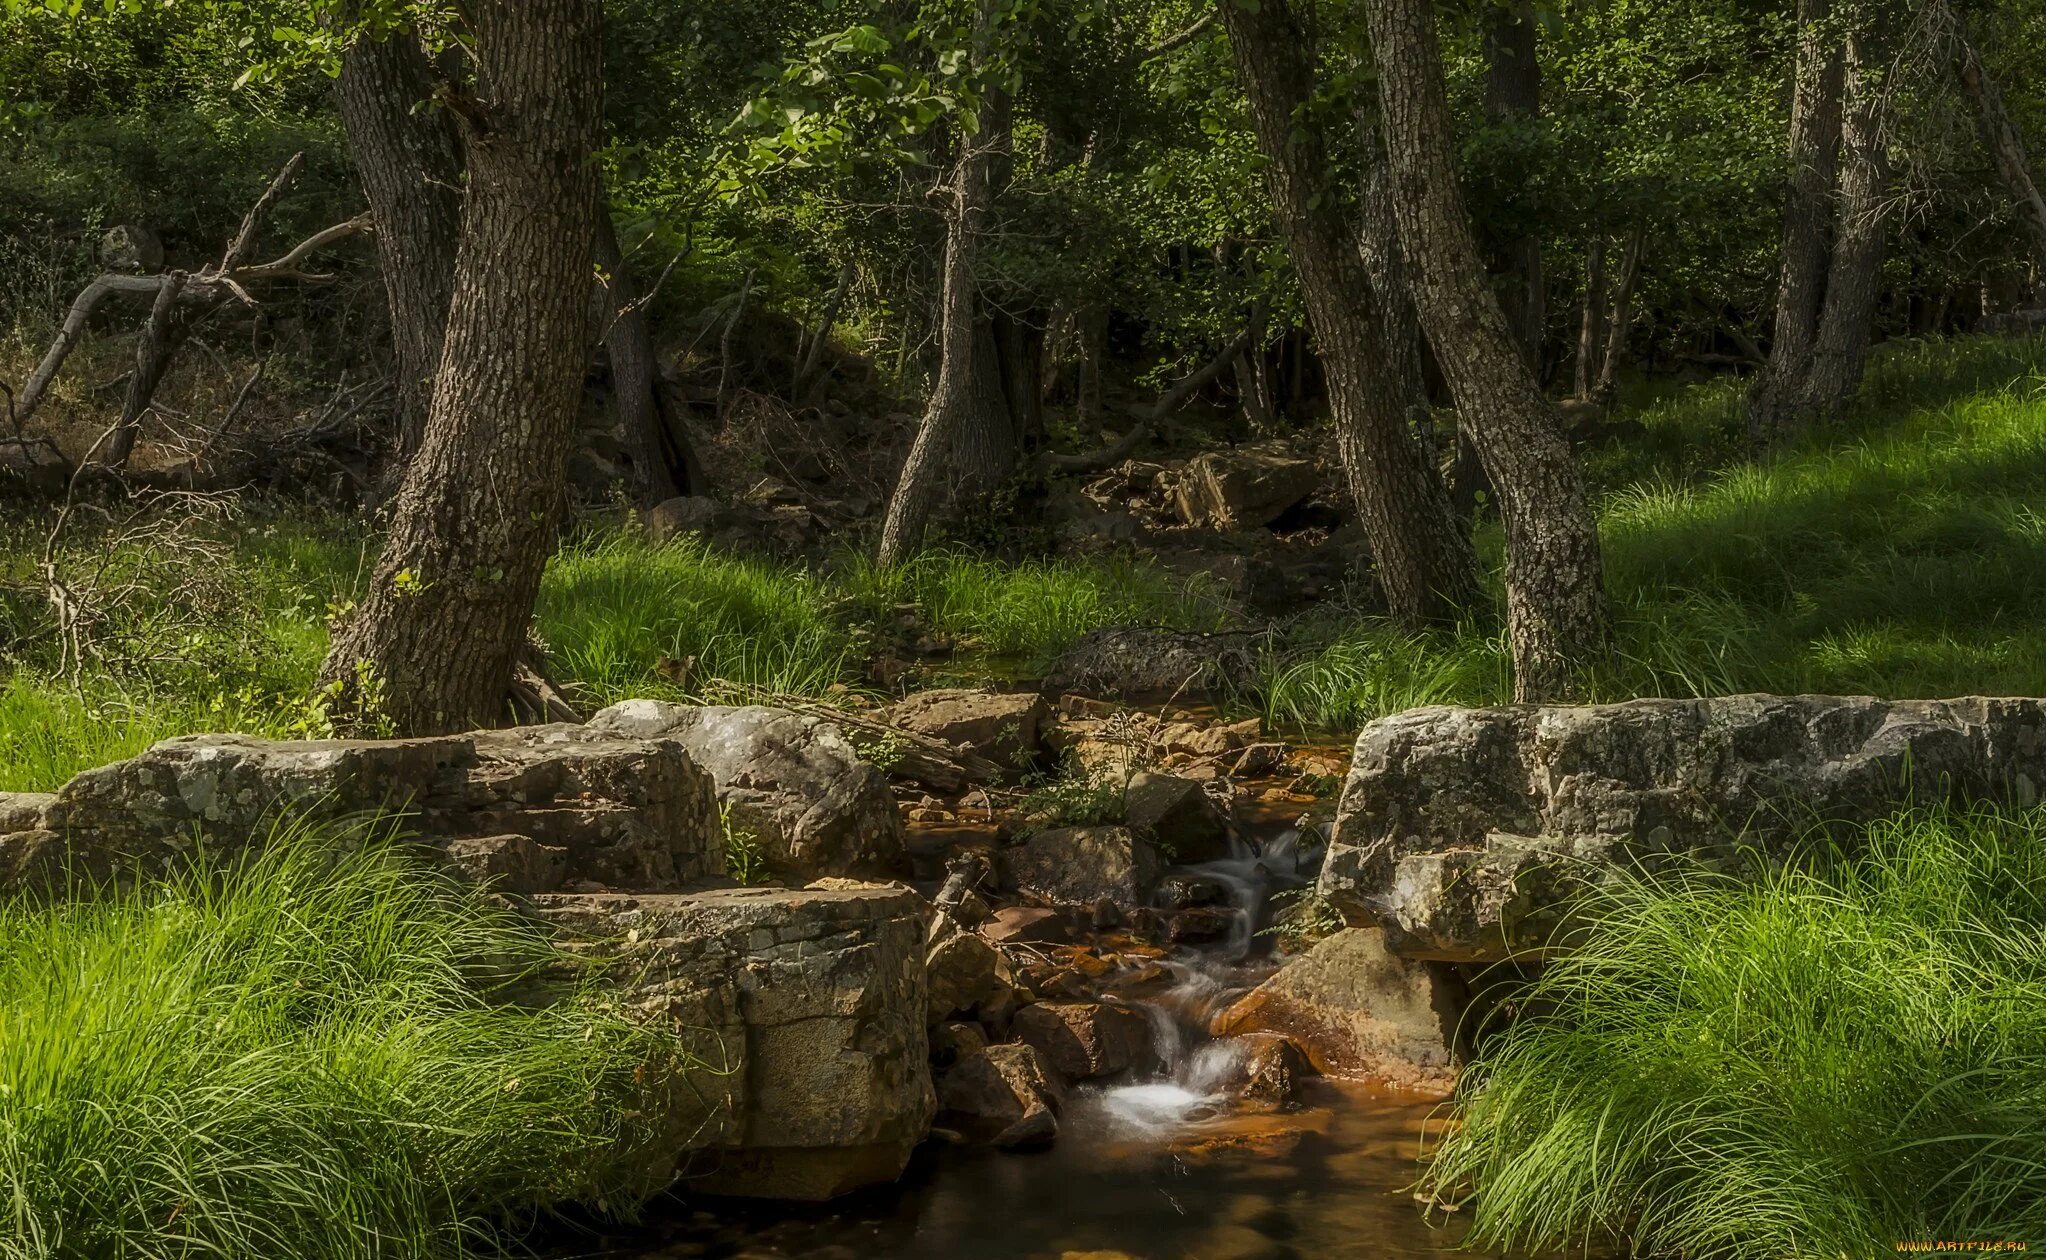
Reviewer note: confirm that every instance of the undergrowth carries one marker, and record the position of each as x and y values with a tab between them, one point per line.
310	1052
1838	1058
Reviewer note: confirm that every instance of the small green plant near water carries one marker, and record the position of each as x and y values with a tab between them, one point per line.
309	1052
745	860
1845	1055
1075	797
1300	917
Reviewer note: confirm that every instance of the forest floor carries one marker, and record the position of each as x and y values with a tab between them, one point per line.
1895	555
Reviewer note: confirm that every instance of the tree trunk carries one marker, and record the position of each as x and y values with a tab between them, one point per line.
1591	320
1854	276
813	353
1425	563
1513	81
410	162
985	448
158	341
1093	334
664	463
1999	135
434	646
952	396
1558	622
1378	239
1807	218
1620	322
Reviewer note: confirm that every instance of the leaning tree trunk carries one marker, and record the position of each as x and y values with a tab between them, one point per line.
1854	275
410	162
435	643
1619	321
1807	219
922	483
1558	622
664	462
1425	563
1999	134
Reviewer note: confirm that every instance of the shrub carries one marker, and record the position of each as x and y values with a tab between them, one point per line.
1840	1057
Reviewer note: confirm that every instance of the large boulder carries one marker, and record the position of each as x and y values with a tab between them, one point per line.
807	1009
1176	815
576	805
1085	1040
1241	488
1465	833
1005	728
1141	664
1007	1095
795	782
1081	868
1358	1011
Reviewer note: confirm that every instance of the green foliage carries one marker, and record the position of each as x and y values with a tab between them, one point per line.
744	859
1825	1062
309	1051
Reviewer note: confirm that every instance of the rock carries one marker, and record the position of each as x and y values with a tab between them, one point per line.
809	1007
24	811
614	809
1199	925
509	863
964	971
1273	1068
131	247
1258	760
1357	1010
1081	868
1006	1095
1185	891
1026	925
954	1041
1177	816
33	470
1006	729
1143	665
684	514
1086	1040
1241	488
1465	833
794	781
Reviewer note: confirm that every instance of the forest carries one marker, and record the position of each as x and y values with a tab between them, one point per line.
1073	630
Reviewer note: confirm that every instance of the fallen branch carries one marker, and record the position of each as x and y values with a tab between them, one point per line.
1171	401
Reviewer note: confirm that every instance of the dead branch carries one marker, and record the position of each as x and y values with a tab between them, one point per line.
1171	401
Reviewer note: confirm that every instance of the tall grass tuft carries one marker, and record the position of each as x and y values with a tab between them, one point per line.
305	1052
1846	1055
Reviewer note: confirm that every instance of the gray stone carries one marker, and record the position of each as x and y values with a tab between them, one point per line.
1465	833
817	1076
1358	1011
24	811
794	781
1240	488
1082	867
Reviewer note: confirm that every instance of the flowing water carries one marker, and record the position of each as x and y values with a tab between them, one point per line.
1164	1168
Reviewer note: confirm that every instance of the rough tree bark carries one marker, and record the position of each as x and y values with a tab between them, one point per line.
1558	621
1424	561
664	463
1807	218
1378	239
410	162
440	630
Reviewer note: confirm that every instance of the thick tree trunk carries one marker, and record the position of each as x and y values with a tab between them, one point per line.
664	463
1425	563
1620	321
1378	239
985	450
1558	622
1591	321
1999	135
922	483
1513	81
1854	276
1807	219
410	162
434	646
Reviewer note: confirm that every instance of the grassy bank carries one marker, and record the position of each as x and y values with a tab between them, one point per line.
299	1054
1843	1057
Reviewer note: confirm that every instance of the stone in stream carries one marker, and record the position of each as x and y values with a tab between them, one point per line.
591	807
965	973
1006	1095
1082	868
794	781
1356	1010
1271	1070
1086	1040
1177	815
808	1008
1007	729
1036	925
1464	833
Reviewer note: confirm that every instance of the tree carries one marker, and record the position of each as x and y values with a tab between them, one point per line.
1424	561
437	638
1558	622
1999	134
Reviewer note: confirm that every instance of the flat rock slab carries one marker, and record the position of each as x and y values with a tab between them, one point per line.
1465	833
807	1007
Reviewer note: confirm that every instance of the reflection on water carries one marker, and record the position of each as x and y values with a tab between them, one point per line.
1134	1174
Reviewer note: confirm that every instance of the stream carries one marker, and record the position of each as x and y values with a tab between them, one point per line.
1162	1168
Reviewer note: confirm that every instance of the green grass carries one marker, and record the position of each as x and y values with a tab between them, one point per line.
1899	557
303	1053
1843	1055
